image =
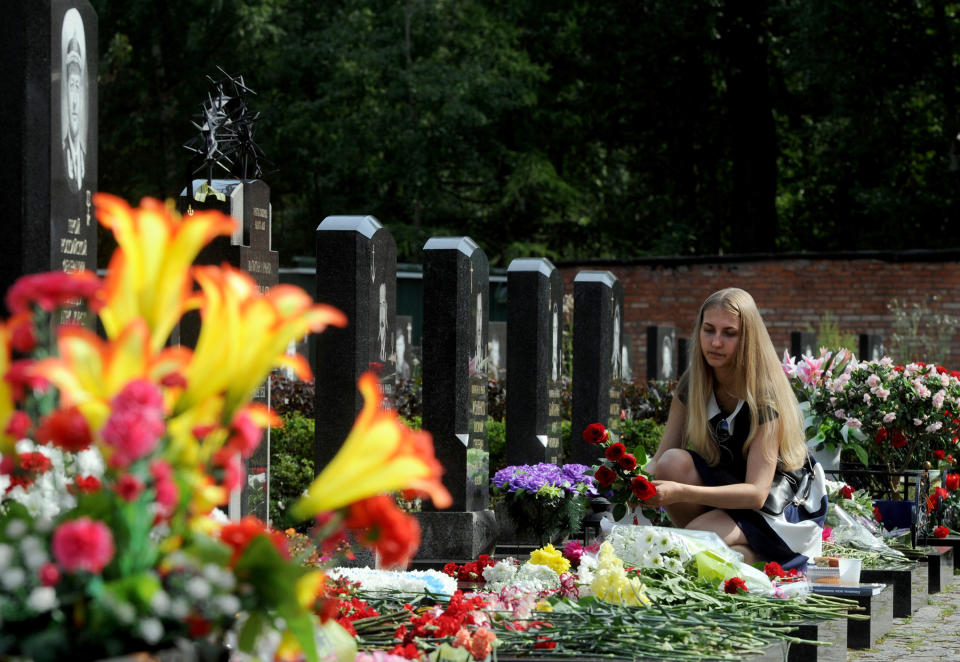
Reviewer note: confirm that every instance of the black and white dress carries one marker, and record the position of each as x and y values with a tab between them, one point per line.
791	538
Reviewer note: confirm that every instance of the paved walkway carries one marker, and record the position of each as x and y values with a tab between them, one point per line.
932	634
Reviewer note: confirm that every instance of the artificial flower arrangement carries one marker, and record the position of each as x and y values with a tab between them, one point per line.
546	499
898	417
619	473
115	452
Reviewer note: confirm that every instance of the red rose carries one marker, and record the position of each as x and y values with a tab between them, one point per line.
19	425
880	436
876	514
846	492
615	451
939	454
595	433
642	488
628	462
898	441
952	481
605	476
735	585
941	532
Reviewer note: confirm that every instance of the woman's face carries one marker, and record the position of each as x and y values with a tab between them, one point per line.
719	337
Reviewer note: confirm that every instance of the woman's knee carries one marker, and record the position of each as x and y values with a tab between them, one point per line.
677	465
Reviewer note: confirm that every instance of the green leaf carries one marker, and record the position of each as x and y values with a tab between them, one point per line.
301	625
251	631
861	453
619	511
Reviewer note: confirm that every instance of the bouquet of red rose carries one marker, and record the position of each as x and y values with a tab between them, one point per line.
619	474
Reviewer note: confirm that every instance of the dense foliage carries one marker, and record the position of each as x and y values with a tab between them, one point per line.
570	129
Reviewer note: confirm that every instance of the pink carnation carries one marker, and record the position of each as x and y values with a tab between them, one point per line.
136	423
83	544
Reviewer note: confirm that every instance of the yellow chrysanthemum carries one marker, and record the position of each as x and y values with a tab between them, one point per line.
611	583
550	557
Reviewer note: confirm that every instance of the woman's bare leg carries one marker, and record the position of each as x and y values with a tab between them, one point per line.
723	525
677	465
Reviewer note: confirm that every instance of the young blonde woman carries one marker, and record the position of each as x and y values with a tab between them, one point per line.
733	424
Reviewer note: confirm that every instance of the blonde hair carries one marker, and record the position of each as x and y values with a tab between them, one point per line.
760	381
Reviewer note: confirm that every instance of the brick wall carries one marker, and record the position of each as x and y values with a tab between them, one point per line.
792	292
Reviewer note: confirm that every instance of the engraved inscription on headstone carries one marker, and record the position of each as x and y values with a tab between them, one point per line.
534	361
455	328
357	274
597	377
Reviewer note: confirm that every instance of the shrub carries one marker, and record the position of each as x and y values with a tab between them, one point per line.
291	466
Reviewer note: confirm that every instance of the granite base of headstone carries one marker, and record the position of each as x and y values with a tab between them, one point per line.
939	564
456	536
952	542
831	638
909	587
864	633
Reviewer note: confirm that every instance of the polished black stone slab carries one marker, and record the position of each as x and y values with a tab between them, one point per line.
909	587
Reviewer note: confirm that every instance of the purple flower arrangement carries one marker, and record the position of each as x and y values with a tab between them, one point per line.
573	478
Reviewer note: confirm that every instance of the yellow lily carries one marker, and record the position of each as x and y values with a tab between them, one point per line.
380	455
6	392
89	371
244	335
149	273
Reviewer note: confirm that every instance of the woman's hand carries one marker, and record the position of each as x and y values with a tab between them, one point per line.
668	493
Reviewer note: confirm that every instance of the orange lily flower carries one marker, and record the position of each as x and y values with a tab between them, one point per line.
148	276
380	455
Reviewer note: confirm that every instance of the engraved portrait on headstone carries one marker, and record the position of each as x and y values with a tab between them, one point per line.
477	362
555	345
74	90
382	323
400	343
666	353
495	358
615	358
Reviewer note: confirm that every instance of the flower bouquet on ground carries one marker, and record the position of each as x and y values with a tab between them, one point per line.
943	508
546	499
619	475
116	451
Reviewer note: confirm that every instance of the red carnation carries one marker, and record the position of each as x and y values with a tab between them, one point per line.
595	433
846	492
773	570
615	451
735	585
128	487
605	476
876	514
52	289
87	484
952	481
66	429
941	532
642	488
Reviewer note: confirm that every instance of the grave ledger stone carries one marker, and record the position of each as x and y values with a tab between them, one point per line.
597	371
455	329
249	250
357	274
534	361
49	120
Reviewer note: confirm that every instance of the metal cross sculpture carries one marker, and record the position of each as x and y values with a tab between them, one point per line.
226	131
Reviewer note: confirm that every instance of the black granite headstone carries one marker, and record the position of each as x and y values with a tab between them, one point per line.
455	327
683	355
248	250
497	350
357	274
803	342
49	120
597	372
534	361
871	347
661	352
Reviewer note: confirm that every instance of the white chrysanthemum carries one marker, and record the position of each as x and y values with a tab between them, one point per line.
160	603
179	608
151	629
6	556
412	582
501	573
228	604
89	463
219	576
42	599
198	588
33	552
13	578
16	528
